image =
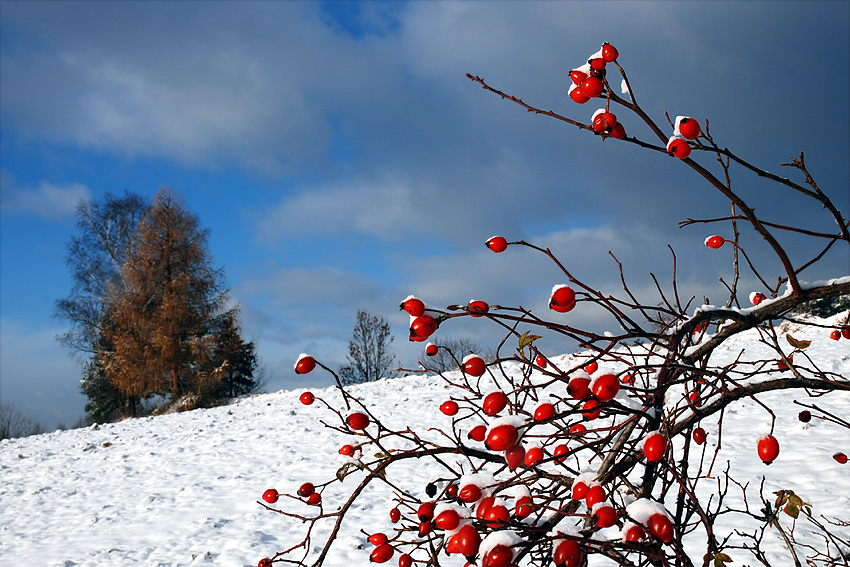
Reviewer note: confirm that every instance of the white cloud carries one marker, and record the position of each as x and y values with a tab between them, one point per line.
47	200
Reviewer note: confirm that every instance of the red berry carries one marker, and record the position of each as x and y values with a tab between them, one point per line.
565	551
425	513
468	541
405	560
477	308
540	360
579	387
577	95
502	437
845	332
499	556
563	299
524	506
307	398
605	516
699	435
654	447
447	520
422	327
577	429
477	433
714	241
357	420
591	87
305	364
483	506
378	538
768	448
609	52
497	515
634	533
577	76
597	63
604	121
560	454
382	553
694	399
544	411
271	495
605	387
579	490
591	367
315	499
688	127
590	410
515	456
533	456
265	562
627	379
306	489
805	416
678	147
840	457
346	450
449	407
757	297
660	526
474	365
425	528
494	402
835	335
469	493
395	515
415	307
618	131
497	244
431	349
594	494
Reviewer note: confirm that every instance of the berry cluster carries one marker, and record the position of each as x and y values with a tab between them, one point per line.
589	79
685	128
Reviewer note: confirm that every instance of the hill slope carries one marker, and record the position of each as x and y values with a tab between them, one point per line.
182	489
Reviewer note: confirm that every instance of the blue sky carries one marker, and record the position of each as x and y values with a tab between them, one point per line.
342	161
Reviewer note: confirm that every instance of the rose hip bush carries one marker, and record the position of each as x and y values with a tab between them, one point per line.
547	465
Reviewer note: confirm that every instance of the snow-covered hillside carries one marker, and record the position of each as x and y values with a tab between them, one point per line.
182	489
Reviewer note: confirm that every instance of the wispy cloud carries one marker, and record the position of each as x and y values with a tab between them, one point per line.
46	200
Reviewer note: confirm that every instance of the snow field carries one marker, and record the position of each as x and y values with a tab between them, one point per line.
182	489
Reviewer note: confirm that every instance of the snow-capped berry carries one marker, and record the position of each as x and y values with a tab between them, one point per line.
597	63
678	147
524	506
757	297
565	551
604	514
431	349
579	387
594	495
474	365
497	244
502	437
609	52
305	364
563	299
415	307
477	308
580	489
605	387
687	127
577	95
577	76
469	493
591	87
425	512
422	327
447	520
714	241
660	526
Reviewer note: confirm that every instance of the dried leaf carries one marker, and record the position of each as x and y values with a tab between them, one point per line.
797	343
792	510
526	340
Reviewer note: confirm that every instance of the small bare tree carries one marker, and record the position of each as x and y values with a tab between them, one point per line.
369	354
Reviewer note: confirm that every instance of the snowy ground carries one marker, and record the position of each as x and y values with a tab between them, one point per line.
183	489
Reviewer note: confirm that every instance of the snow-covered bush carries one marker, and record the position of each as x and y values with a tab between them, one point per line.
613	456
